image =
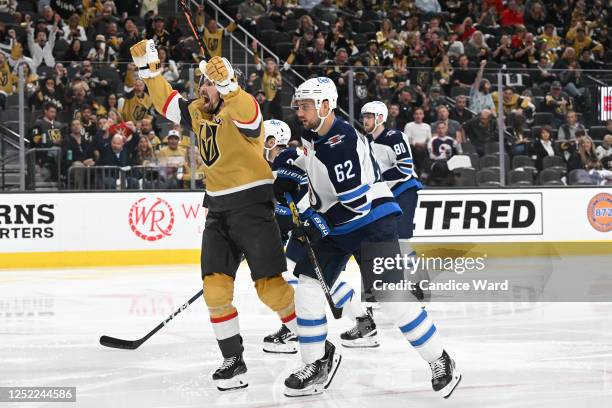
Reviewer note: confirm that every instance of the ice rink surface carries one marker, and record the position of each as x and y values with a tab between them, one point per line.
511	355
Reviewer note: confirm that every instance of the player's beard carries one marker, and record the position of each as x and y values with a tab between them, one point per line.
313	124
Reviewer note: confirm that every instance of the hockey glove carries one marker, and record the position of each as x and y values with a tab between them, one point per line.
315	227
219	71
284	220
287	181
144	54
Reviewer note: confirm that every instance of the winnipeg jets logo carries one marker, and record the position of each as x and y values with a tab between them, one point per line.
334	140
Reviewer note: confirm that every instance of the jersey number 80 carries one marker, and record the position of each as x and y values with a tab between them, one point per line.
399	148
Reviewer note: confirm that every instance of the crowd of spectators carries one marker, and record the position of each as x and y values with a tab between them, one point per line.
433	62
83	94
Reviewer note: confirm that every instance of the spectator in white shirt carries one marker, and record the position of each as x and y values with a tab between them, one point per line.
419	135
41	48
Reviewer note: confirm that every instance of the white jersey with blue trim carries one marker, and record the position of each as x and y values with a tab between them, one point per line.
392	152
345	182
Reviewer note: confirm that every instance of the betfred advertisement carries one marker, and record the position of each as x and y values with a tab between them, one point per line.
463	214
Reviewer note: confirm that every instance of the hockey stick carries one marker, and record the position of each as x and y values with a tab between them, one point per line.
189	17
134	344
295	215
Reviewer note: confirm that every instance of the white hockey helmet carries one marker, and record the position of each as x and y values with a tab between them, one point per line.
318	89
279	130
376	108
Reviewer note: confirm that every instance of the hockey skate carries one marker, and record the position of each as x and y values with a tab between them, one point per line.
282	342
362	335
314	378
444	376
231	375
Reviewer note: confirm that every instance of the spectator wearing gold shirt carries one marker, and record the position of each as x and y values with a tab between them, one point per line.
549	42
7	81
172	155
271	83
172	158
579	40
212	34
137	103
516	108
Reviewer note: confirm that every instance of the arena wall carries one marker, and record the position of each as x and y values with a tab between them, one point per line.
104	229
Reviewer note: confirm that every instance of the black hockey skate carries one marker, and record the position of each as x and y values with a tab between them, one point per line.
444	376
363	335
231	375
284	341
316	377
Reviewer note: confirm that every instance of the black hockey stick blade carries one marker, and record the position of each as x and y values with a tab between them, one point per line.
120	343
134	344
336	311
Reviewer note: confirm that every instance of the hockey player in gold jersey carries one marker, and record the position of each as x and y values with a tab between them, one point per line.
229	131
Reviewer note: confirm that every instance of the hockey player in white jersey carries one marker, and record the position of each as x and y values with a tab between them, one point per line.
392	152
283	341
351	206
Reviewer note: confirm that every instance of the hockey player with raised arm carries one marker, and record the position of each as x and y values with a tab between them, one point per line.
239	197
351	206
280	155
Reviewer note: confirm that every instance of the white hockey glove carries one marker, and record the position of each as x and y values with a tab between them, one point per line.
219	71
144	54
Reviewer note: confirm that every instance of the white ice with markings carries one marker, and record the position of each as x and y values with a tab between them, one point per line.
529	355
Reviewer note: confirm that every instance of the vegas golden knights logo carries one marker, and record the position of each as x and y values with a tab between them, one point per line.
213	43
3	79
55	134
139	112
207	143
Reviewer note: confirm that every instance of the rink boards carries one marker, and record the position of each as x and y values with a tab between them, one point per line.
138	228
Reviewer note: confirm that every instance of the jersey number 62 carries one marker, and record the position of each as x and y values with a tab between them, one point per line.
344	171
